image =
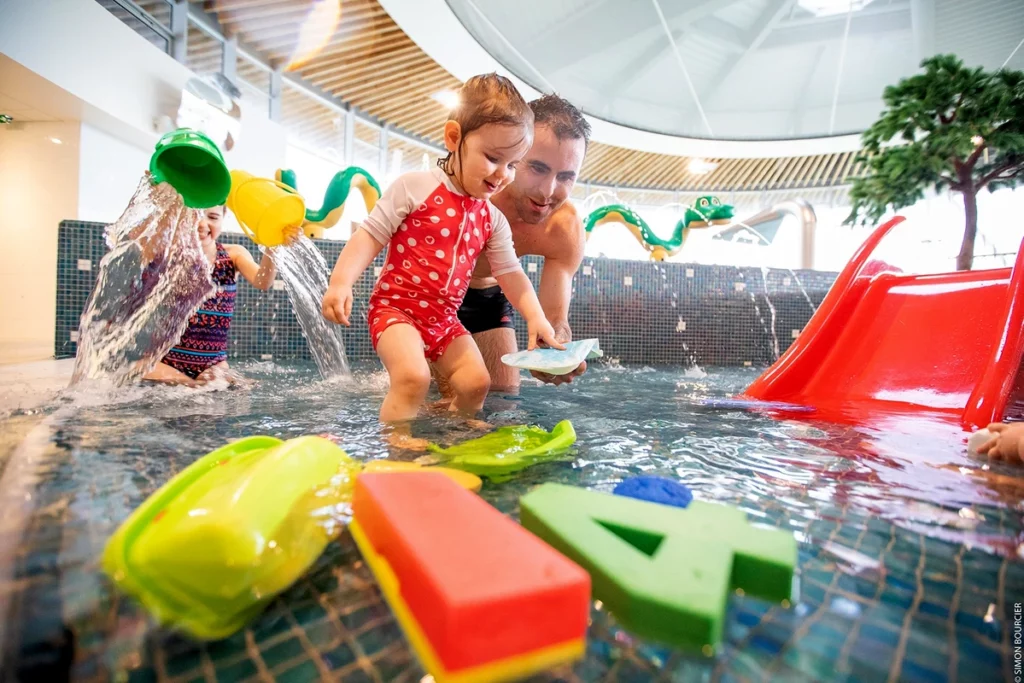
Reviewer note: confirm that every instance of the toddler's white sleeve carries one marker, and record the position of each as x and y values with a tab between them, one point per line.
500	251
397	202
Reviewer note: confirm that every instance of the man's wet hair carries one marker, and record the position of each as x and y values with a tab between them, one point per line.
562	117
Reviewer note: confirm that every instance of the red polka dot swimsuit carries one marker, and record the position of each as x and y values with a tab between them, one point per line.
435	236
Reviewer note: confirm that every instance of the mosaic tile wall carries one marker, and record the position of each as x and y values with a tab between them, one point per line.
643	312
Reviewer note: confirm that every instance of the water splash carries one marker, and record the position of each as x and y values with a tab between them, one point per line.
792	273
154	277
771	309
768	330
305	273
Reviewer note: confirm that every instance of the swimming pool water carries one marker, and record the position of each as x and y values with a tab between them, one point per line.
908	550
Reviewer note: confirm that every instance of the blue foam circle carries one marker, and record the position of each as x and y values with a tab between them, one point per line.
655	490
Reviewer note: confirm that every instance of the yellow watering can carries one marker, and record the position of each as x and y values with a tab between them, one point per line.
265	208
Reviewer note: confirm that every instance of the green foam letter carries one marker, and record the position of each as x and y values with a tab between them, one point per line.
664	572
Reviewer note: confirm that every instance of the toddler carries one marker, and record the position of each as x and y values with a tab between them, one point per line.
436	224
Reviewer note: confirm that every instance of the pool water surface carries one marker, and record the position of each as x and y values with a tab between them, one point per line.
908	568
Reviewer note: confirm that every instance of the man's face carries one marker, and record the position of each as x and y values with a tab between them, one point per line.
546	175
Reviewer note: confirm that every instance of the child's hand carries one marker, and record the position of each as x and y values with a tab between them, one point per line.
1007	442
540	330
292	234
337	304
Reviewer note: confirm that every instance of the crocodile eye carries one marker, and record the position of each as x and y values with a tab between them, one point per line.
715	201
703	202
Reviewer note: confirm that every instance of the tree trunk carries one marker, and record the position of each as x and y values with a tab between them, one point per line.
965	259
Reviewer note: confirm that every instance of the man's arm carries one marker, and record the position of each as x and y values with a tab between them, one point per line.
555	292
560	266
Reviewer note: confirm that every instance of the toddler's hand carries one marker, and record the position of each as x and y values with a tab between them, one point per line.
541	330
1007	442
337	304
292	234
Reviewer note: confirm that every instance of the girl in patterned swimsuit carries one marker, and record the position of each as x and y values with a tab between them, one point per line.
202	352
436	224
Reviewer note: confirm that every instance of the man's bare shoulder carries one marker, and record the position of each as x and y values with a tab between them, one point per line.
566	220
565	233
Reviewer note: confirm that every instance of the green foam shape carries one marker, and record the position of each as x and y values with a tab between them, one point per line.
507	450
664	572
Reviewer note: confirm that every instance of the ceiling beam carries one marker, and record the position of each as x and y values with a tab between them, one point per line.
805	91
788	35
727	34
605	24
869	11
766	22
635	68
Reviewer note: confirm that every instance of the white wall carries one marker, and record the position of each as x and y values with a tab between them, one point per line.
120	85
109	171
81	47
38	189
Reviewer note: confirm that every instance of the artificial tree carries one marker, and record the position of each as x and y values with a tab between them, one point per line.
951	127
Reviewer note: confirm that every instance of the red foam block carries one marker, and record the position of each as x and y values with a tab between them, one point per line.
480	586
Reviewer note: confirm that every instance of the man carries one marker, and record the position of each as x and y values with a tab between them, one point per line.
543	223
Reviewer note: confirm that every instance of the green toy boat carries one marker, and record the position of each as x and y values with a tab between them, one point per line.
210	548
507	450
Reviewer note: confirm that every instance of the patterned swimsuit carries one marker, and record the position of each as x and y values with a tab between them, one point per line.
205	341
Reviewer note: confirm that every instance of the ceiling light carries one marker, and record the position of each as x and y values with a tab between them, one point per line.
315	32
449	99
701	166
828	8
57	141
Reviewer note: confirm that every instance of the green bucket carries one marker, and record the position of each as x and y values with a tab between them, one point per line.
194	166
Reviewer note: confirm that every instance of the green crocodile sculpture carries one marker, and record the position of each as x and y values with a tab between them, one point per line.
708	210
329	213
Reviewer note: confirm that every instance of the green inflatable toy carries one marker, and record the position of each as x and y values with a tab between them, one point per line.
507	450
209	549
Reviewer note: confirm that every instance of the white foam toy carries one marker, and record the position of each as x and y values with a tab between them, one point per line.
553	361
977	439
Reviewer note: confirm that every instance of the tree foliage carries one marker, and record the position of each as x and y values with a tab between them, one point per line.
950	127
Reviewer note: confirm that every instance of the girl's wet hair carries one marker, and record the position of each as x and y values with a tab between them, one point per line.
483	100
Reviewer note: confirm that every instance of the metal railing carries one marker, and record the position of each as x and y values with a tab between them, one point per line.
184	18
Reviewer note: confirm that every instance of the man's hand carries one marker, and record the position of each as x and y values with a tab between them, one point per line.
560	379
564	335
539	331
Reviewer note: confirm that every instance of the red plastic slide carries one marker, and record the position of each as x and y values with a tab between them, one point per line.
884	342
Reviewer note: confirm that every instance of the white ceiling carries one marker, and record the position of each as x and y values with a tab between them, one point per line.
21	112
760	69
28	97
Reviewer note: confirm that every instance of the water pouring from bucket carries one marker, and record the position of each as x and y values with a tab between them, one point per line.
267	210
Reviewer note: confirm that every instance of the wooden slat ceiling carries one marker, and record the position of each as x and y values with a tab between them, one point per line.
372	64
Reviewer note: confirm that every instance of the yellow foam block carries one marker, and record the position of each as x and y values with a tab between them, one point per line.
466	480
